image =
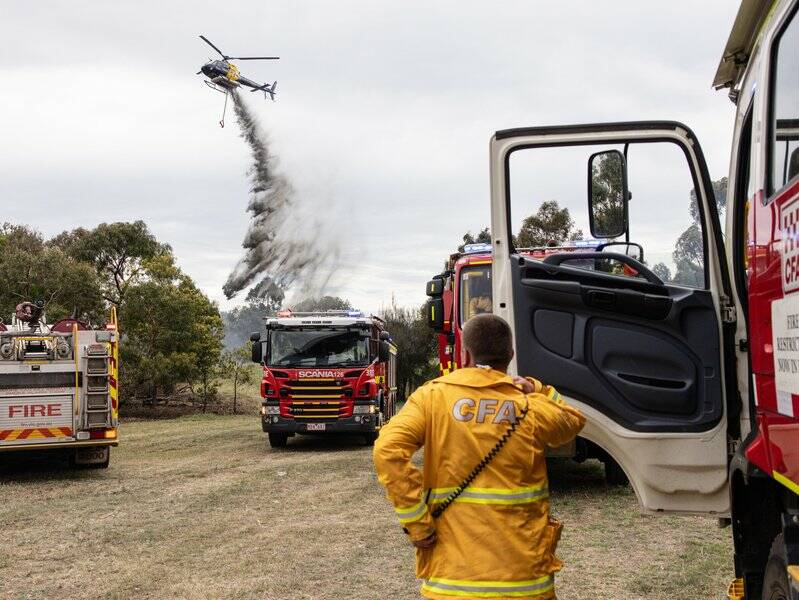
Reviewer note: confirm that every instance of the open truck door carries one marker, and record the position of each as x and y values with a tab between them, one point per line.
642	356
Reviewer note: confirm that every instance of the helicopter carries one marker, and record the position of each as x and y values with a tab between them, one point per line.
223	76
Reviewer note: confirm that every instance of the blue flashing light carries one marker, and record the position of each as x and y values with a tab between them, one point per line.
354	313
592	243
480	248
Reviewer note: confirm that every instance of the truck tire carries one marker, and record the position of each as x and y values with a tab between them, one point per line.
278	440
370	438
614	474
775	578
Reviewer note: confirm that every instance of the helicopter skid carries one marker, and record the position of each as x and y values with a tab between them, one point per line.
221	84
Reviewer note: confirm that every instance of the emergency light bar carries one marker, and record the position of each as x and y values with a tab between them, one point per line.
320	313
592	243
480	248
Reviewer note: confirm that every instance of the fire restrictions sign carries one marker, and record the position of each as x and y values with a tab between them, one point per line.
785	331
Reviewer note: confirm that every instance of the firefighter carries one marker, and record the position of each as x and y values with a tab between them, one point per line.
478	513
480	305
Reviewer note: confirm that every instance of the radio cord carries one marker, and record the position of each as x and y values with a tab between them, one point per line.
438	510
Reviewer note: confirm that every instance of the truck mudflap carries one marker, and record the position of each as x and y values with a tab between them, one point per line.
41	418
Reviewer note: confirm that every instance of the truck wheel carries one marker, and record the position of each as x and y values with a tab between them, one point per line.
775	579
278	440
370	438
614	474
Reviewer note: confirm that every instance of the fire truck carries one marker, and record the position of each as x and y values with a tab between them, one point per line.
325	372
687	370
58	387
462	290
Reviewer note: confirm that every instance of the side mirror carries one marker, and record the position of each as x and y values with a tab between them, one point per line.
255	337
435	287
607	194
257	352
632	250
434	313
385	351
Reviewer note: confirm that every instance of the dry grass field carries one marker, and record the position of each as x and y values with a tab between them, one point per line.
201	507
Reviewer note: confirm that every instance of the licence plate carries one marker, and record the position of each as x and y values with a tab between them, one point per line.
316	427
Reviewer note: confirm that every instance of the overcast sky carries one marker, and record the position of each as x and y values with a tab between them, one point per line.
382	120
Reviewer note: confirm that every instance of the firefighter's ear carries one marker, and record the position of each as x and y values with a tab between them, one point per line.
466	358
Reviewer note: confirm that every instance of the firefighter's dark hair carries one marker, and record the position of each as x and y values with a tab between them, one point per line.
489	341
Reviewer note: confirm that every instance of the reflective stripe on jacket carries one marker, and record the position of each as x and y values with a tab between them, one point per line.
496	540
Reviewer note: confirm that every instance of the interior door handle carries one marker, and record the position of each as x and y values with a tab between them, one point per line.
601	298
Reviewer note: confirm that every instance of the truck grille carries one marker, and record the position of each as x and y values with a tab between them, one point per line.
317	399
316	411
310	389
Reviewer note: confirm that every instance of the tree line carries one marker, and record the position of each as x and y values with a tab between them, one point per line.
552	225
175	341
171	331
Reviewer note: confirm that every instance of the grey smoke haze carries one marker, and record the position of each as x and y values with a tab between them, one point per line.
283	251
385	106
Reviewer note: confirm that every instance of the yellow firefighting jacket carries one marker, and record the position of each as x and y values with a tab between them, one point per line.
496	540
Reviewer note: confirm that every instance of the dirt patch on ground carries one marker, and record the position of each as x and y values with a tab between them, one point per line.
201	507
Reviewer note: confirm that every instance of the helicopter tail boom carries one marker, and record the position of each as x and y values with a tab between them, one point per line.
267	90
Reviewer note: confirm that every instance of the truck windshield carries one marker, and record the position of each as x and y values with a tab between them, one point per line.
318	348
475	291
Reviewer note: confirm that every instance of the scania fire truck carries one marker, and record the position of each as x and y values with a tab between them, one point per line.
58	387
688	370
325	372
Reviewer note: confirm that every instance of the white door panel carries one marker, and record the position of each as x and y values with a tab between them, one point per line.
665	424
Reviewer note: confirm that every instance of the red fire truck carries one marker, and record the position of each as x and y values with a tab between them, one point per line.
688	370
462	290
325	372
58	387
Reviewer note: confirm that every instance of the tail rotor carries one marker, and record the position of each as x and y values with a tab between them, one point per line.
268	90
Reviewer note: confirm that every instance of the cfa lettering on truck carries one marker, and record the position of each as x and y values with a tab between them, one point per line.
688	371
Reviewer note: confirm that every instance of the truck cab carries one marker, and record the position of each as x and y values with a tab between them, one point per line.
327	372
688	372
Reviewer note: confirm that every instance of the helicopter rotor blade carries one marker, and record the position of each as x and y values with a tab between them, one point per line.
254	57
207	41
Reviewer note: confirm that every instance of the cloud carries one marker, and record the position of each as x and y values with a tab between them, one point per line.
384	113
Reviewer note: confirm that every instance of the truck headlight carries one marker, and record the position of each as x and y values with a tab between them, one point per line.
270	410
363	409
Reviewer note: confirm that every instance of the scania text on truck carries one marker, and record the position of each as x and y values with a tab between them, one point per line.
688	371
58	387
327	372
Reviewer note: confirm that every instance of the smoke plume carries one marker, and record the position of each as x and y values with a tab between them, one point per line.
285	247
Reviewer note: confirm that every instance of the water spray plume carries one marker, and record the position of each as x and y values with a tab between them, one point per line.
282	250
